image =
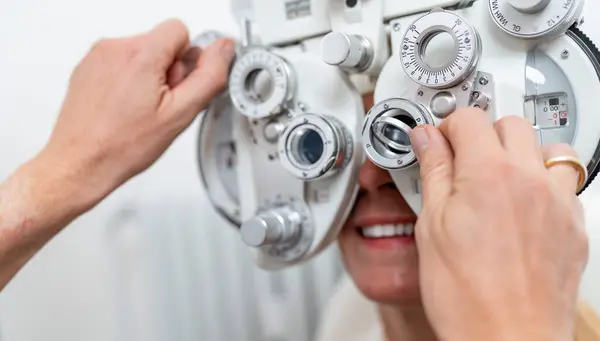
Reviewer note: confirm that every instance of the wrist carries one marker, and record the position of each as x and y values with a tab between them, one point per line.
36	202
67	181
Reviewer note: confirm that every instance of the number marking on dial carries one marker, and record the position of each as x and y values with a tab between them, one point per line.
467	50
242	78
558	13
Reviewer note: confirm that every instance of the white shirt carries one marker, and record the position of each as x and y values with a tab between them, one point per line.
349	316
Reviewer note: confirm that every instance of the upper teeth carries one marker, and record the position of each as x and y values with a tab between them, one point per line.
389	230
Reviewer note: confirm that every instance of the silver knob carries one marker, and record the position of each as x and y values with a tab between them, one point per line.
529	6
280	226
347	51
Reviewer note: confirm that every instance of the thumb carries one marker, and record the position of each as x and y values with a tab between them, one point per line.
436	161
209	79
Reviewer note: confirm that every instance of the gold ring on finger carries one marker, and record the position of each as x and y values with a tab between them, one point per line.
573	162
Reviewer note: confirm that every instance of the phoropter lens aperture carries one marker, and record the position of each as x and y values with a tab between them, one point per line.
307	146
314	146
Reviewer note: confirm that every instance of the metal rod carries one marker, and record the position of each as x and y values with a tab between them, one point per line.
246	32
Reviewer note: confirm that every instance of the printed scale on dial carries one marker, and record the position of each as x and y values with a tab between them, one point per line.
416	39
535	18
250	102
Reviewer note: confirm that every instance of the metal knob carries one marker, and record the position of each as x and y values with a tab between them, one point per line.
280	225
347	51
529	6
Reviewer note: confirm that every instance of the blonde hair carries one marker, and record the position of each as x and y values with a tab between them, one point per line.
587	323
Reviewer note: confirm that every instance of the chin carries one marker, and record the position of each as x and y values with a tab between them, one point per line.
386	273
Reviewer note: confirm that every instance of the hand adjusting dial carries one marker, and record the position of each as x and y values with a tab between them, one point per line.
281	225
347	51
386	133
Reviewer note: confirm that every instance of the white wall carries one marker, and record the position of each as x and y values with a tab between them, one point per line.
137	267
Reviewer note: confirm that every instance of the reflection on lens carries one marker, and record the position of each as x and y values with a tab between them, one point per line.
307	146
438	50
396	135
259	85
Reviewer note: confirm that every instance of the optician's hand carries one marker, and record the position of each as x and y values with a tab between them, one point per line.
127	101
130	98
501	239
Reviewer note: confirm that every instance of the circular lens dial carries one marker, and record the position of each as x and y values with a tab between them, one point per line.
314	146
260	83
460	61
386	133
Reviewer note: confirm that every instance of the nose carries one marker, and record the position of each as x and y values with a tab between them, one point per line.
371	177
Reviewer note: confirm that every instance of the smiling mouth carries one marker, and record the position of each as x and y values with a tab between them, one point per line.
387	230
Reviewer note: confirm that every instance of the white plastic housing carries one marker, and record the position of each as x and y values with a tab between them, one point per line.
400	8
365	19
283	21
505	58
262	180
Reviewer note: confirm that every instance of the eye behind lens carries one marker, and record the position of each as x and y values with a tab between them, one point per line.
314	147
307	145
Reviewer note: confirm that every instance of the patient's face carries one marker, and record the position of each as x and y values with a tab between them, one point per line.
377	242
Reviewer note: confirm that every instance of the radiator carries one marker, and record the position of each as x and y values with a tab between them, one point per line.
179	275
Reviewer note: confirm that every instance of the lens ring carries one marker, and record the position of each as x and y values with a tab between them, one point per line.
314	146
392	155
260	60
467	50
307	145
384	122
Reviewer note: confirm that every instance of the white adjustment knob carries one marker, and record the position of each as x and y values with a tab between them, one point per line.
279	226
529	6
347	51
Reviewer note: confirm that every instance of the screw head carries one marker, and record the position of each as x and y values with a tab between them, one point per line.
396	27
420	93
565	54
483	80
465	87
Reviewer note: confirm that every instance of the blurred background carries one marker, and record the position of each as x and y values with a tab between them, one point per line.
153	262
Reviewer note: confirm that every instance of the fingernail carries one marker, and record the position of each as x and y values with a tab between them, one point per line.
419	140
228	49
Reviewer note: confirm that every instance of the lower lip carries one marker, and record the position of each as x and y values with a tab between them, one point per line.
388	242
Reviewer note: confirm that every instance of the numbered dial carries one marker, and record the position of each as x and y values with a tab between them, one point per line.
386	133
460	56
543	20
295	223
313	146
261	84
